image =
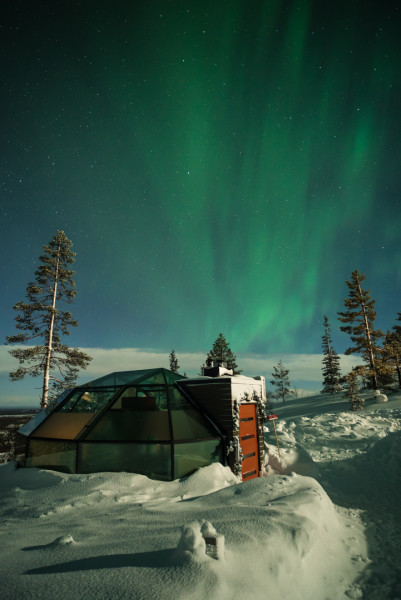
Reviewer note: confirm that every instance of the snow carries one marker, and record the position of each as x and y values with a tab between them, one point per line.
323	525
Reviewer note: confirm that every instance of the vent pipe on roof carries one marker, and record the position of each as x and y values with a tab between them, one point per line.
216	370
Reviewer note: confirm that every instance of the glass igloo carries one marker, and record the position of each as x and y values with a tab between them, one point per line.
134	421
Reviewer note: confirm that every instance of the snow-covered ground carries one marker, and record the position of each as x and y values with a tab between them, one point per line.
324	525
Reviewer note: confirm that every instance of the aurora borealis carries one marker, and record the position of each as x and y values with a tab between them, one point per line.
219	166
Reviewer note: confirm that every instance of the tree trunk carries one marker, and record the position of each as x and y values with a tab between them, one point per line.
49	347
397	368
370	350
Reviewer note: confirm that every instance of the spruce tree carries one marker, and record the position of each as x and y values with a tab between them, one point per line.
396	339
331	363
359	318
351	391
222	354
391	353
281	381
39	319
174	366
397	328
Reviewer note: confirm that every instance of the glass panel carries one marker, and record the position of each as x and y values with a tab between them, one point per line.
20	448
131	377
59	456
152	397
153	460
128	395
191	456
145	398
123	377
173	377
43	414
131	425
63	426
188	422
162	376
154	378
87	401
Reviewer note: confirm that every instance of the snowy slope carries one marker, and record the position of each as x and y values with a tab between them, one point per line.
323	525
358	455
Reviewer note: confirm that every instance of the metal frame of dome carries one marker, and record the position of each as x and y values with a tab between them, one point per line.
136	421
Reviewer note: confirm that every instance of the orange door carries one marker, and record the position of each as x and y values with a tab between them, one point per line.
249	441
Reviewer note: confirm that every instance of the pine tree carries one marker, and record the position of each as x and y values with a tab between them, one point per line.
397	328
396	338
174	366
351	391
391	352
281	381
331	363
360	317
222	354
40	319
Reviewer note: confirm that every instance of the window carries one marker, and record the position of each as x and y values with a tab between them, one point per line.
87	400
144	397
153	460
126	398
139	414
52	455
188	422
29	427
155	378
191	456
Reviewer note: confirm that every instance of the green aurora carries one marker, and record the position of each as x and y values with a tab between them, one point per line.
219	166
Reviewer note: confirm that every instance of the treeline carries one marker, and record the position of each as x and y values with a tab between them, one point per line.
380	352
42	324
221	354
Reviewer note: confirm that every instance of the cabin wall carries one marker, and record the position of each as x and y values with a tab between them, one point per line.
217	395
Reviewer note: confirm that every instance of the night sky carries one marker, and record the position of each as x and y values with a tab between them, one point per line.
218	165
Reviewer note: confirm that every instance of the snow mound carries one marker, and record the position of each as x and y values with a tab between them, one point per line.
282	532
28	479
198	542
285	535
289	460
63	540
60	541
192	545
331	437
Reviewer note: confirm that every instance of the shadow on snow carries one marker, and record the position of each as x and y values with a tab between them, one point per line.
152	560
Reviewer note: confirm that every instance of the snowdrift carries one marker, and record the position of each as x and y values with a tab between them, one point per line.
115	535
325	524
